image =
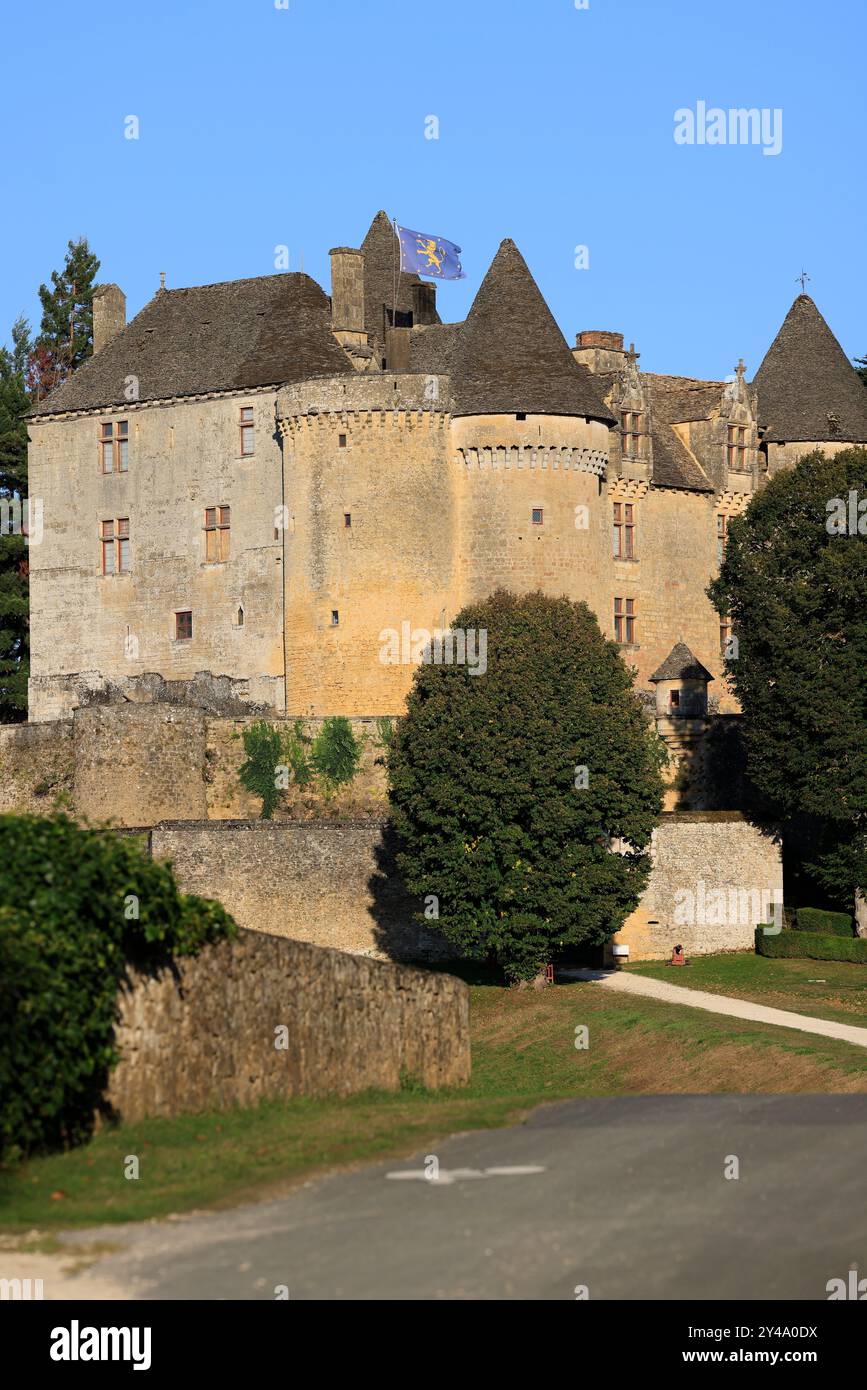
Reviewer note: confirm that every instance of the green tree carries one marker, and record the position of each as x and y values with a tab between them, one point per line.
14	626
66	332
508	787
794	582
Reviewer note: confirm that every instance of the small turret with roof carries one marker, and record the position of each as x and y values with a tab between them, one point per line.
681	685
808	390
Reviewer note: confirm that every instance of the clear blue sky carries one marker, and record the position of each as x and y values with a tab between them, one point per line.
262	126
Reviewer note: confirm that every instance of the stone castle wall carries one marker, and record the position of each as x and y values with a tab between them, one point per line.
89	628
332	883
698	856
202	1036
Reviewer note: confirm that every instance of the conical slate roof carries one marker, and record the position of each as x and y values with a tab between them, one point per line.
512	356
681	665
805	378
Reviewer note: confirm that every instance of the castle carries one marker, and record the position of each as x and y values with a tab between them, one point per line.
250	483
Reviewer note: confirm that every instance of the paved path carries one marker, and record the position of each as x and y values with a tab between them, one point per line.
719	1004
626	1195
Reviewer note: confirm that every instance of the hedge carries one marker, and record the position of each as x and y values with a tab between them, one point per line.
78	905
817	919
809	944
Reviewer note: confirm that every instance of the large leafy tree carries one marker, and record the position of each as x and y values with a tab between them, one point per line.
508	787
794	581
66	332
14	632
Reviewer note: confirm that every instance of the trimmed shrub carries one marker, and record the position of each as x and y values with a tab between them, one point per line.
78	905
812	946
817	919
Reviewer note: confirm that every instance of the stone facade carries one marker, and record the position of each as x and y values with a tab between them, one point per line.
714	877
204	1035
396	469
334	884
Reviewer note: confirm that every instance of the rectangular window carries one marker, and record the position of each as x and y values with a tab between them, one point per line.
123	545
335	617
624	531
538	516
114	446
341	441
736	449
722	537
108	550
114	539
632	431
216	534
183	627
248	431
624	621
347	520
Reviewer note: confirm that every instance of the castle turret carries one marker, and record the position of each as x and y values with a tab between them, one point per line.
809	394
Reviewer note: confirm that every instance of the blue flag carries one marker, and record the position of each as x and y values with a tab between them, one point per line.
429	255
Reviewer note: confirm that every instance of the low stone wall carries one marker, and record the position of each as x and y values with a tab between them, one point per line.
36	767
714	875
259	1017
332	883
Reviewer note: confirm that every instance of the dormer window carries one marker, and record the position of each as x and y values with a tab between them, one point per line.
736	449
632	431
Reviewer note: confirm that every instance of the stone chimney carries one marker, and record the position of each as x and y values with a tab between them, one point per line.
109	314
347	296
599	350
424	303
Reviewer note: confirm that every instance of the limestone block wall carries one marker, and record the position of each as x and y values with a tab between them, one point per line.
202	1036
787	455
675	547
505	469
36	766
713	878
136	764
183	457
370	542
332	883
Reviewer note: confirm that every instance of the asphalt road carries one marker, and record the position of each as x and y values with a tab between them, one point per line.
631	1201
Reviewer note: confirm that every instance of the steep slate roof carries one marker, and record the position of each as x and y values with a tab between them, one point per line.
805	375
685	398
432	347
231	336
673	464
511	355
681	665
381	258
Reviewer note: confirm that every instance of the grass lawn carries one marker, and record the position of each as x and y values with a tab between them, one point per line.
523	1054
831	989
